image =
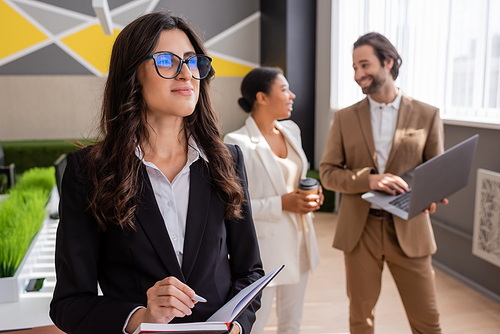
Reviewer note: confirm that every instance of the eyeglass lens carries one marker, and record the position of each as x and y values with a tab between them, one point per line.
168	65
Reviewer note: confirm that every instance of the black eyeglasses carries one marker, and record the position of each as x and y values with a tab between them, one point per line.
168	65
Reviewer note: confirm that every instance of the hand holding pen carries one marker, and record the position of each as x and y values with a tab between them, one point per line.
167	299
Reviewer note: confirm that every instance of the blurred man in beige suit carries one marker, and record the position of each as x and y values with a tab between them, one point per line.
370	143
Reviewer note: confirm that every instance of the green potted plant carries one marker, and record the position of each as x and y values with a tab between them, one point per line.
22	215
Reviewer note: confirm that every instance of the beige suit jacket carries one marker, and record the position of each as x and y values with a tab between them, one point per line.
350	157
277	230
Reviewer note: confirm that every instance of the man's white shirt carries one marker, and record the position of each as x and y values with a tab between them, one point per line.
384	118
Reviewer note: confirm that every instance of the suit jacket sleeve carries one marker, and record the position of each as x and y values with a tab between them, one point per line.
76	306
267	208
334	173
243	248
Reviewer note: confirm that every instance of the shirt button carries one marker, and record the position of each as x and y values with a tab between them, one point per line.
174	237
169	203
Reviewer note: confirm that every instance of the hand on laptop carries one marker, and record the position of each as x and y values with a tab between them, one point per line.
432	207
391	184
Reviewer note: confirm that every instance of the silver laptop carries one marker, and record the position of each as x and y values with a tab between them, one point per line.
429	182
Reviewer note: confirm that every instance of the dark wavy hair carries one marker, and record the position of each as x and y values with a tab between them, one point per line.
383	50
259	79
113	167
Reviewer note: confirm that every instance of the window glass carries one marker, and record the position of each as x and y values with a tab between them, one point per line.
450	51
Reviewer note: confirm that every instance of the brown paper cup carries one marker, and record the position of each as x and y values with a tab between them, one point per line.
308	186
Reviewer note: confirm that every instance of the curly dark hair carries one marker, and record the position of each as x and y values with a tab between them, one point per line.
383	50
113	167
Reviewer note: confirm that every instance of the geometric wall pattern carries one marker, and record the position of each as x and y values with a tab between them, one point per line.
54	37
17	32
49	60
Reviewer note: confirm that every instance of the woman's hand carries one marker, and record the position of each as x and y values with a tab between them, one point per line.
167	299
303	204
321	196
235	330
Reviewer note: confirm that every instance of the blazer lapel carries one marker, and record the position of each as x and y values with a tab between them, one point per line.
401	125
199	205
149	217
297	146
364	116
266	155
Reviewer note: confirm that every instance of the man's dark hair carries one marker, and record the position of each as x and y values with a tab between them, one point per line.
383	50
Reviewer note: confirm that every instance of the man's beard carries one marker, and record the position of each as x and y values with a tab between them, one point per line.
377	82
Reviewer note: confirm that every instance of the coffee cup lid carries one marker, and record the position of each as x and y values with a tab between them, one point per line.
308	183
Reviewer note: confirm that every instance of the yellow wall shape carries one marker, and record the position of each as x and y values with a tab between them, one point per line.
16	33
226	68
93	45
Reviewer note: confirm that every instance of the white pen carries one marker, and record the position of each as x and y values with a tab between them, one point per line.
199	299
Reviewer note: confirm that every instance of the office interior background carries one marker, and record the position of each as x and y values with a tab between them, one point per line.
54	54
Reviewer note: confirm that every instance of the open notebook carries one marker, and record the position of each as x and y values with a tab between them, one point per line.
221	320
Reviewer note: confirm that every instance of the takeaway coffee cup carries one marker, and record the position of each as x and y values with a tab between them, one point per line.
308	186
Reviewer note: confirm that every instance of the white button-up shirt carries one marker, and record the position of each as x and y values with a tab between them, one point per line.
384	118
173	200
173	197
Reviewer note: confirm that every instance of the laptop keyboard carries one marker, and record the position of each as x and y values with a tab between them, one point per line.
402	201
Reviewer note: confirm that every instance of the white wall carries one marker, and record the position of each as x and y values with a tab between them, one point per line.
67	106
48	107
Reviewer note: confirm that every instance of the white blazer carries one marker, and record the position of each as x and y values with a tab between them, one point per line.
277	230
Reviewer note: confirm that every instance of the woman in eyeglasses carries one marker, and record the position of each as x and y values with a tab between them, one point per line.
156	210
275	162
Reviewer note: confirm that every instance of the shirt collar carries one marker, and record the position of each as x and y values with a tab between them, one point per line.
394	104
194	152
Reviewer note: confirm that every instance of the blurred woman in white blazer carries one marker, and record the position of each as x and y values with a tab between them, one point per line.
275	162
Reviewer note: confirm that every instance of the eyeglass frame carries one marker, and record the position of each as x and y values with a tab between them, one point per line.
182	61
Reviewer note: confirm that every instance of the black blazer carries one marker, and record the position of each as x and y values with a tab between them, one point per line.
220	257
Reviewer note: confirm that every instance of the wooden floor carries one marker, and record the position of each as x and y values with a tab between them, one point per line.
325	311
